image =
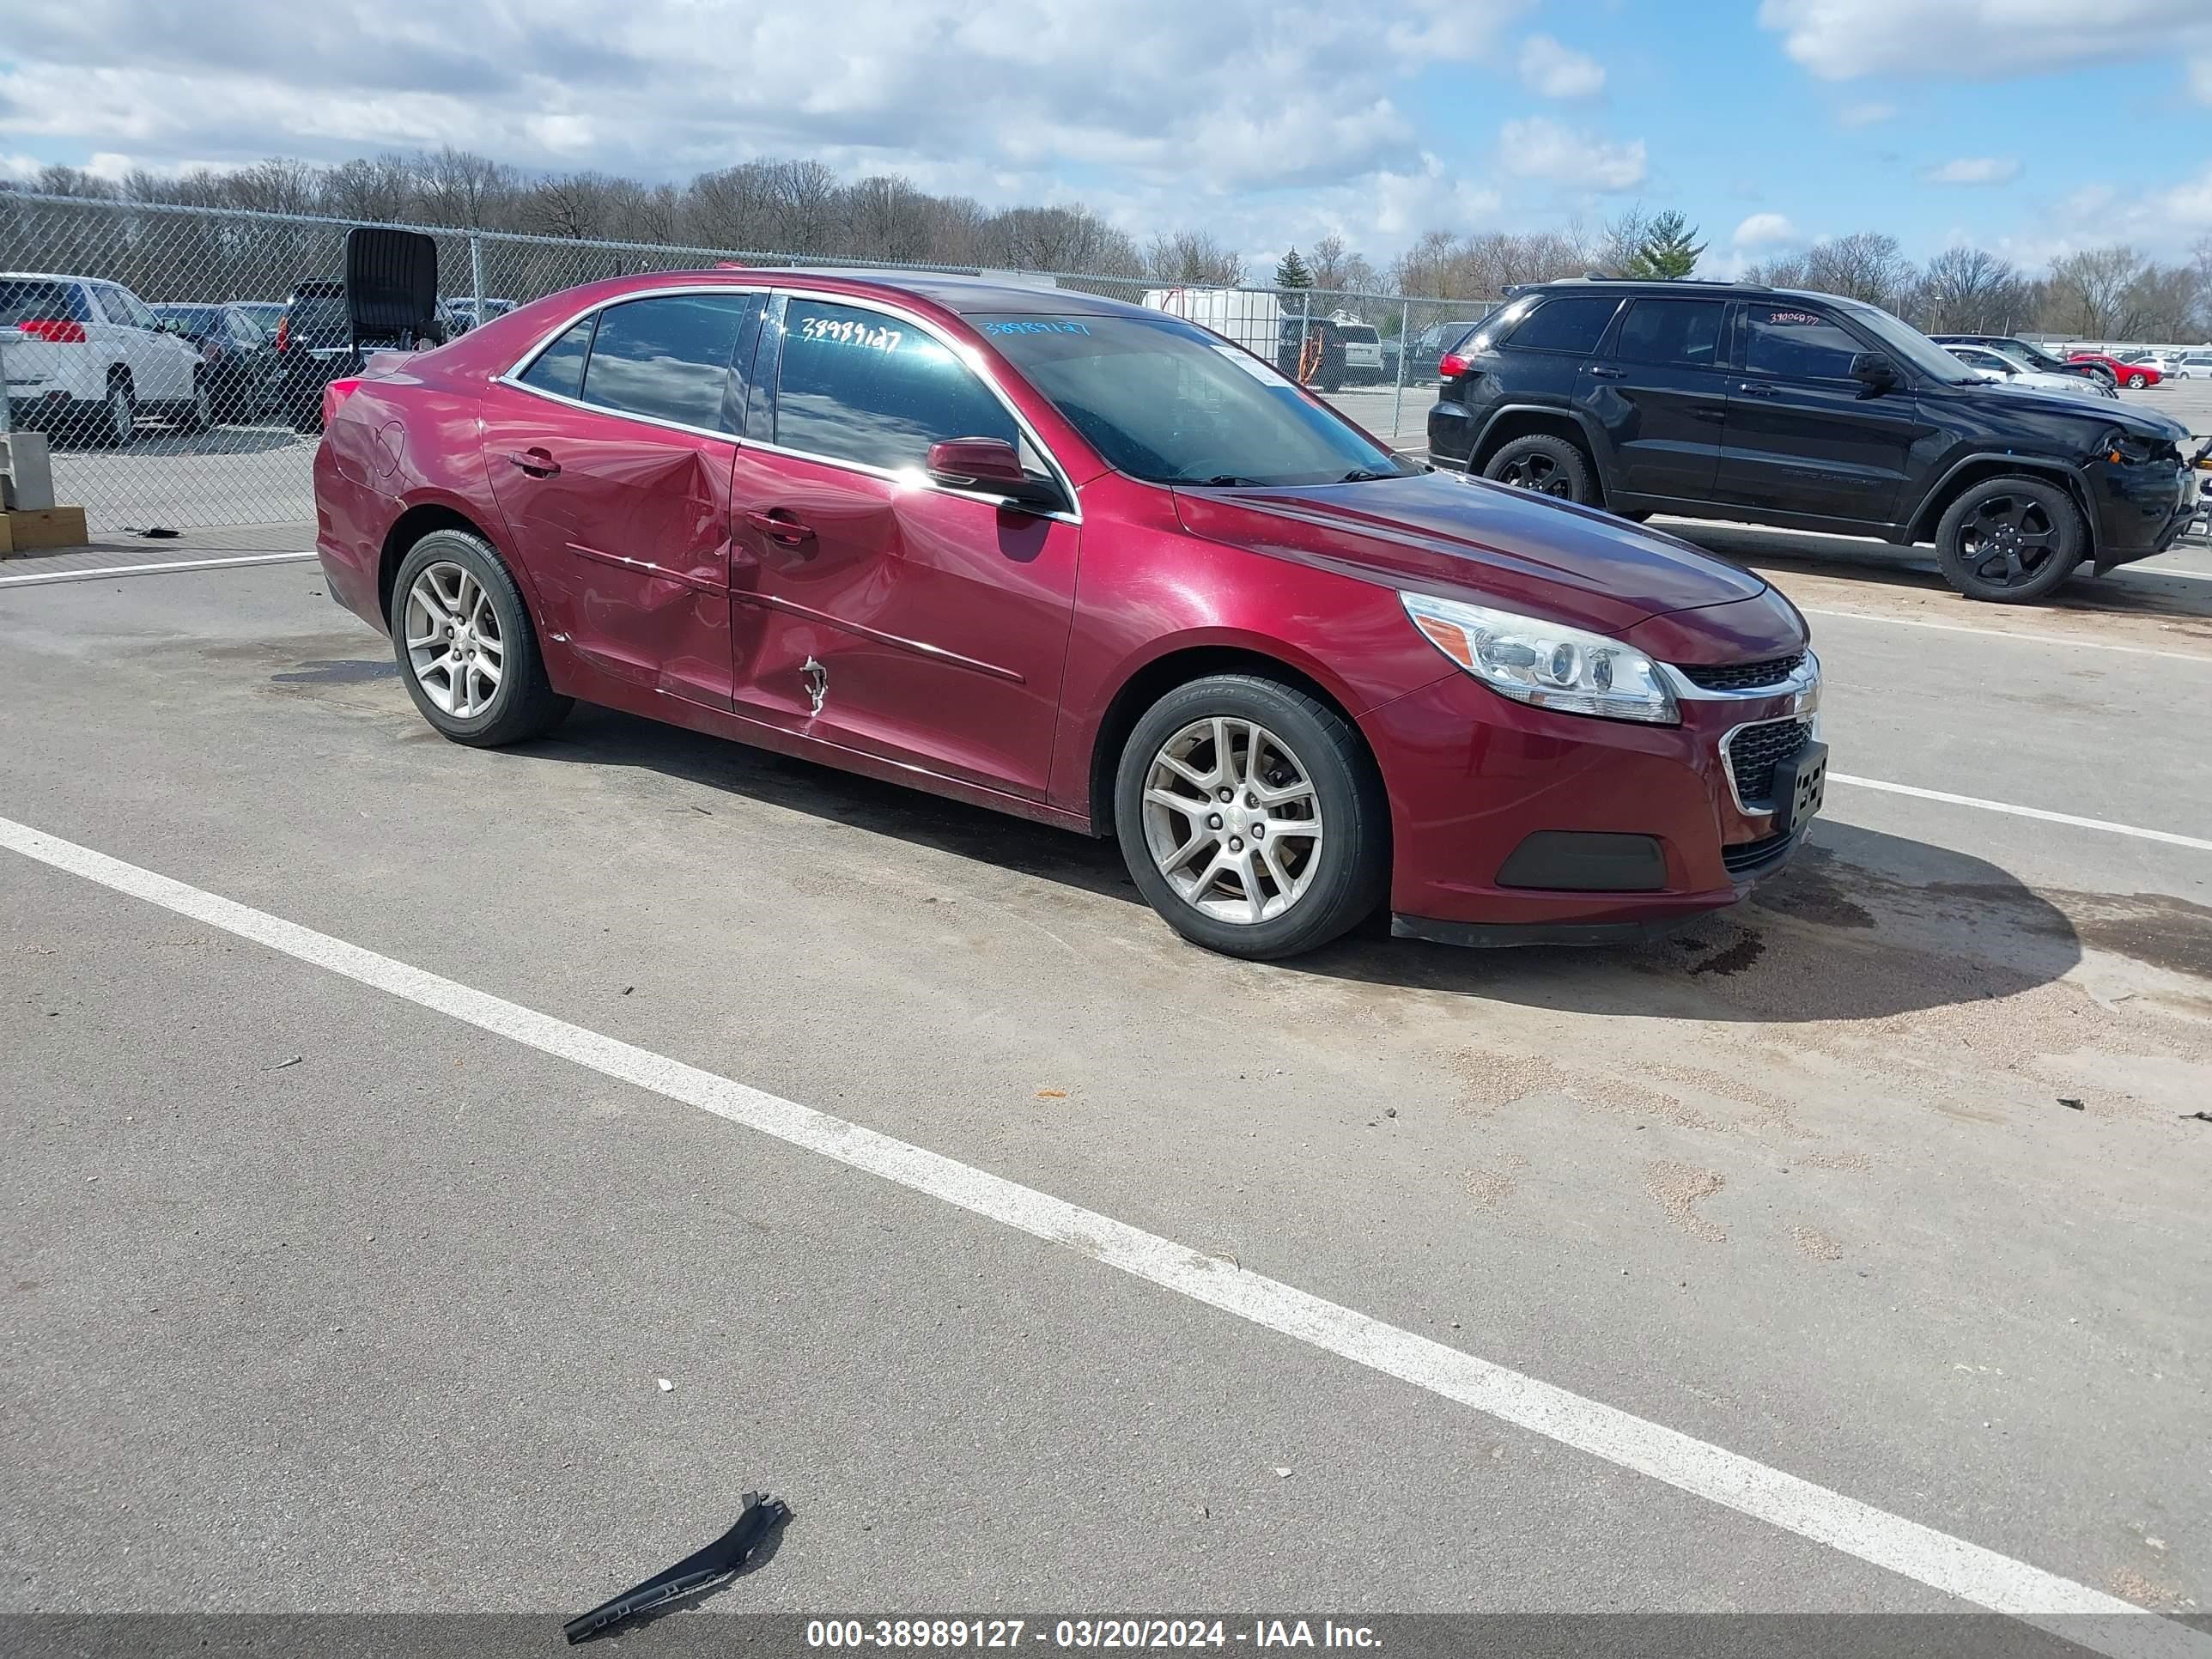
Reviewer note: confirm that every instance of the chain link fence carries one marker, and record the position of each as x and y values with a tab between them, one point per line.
144	341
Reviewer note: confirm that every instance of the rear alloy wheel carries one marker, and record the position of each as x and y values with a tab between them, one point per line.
465	645
2010	540
1251	817
2137	382
1546	464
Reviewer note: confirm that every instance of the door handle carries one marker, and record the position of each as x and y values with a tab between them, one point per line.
779	527
1755	388
1603	373
536	462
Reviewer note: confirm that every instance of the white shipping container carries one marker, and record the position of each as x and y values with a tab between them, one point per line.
1254	321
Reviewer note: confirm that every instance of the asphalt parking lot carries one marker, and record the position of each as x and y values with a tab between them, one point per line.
561	1141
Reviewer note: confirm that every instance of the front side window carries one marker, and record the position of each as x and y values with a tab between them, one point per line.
1163	400
668	357
124	306
863	385
1572	322
1797	344
1682	333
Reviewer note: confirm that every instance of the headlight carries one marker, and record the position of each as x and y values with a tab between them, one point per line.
1546	663
2123	449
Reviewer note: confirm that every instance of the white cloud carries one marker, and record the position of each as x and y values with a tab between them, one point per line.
1253	94
1979	40
1972	170
1538	148
2200	78
1865	115
1764	230
1556	71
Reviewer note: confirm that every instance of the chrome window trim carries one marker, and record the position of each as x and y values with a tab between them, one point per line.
522	365
1806	679
964	353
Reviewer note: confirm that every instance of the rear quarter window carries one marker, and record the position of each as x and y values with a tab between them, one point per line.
1568	322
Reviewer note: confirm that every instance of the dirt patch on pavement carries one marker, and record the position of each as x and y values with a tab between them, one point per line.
1680	1188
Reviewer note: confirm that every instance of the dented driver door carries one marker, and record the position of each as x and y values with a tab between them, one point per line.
617	491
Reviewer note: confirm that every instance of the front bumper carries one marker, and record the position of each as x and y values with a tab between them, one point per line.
1478	783
2141	510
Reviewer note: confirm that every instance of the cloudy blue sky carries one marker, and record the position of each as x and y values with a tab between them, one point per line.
2031	126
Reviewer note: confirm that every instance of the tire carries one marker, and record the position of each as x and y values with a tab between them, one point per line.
1305	897
2137	382
117	423
2010	540
474	586
1545	465
199	414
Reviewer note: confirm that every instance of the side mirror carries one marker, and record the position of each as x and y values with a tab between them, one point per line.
1874	371
991	466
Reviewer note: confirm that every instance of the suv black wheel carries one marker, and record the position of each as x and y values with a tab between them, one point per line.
2010	540
1251	817
1546	464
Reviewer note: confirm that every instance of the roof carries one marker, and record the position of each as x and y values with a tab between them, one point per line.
42	276
955	291
1670	284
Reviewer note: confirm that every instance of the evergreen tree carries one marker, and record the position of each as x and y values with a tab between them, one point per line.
1669	248
1291	272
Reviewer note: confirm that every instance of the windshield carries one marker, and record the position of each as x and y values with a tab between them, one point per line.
1169	402
1909	344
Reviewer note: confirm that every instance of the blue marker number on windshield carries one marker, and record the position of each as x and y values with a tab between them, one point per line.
1037	326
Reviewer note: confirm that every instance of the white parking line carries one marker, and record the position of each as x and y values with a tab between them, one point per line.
38	577
2081	1615
2108	827
2006	633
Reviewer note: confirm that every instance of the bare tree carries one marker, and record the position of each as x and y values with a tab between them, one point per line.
459	187
1968	290
1061	239
1866	265
1193	256
2086	292
379	188
276	186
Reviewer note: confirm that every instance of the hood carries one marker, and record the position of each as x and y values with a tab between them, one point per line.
2107	411
1460	538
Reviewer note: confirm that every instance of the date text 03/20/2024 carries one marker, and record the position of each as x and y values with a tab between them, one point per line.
1086	1634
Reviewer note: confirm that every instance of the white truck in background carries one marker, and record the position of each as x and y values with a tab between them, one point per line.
1254	321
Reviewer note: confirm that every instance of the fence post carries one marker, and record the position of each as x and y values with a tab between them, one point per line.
1305	323
7	422
1398	398
476	276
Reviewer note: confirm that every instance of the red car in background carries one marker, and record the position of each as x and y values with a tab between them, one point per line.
1087	564
2137	375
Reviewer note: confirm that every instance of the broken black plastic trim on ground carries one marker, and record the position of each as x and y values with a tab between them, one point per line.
718	1560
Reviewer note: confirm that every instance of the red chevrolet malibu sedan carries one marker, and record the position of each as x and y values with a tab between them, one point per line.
1083	562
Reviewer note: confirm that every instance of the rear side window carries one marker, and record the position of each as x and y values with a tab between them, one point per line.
22	301
863	385
1801	345
560	366
668	357
1569	323
1679	333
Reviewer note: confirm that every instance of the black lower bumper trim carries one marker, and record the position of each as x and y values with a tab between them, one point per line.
1500	936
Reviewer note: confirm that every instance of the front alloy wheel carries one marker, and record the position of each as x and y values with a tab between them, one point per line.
1231	820
1251	817
454	642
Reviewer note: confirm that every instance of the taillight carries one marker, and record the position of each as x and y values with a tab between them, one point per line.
1452	365
54	330
335	393
284	332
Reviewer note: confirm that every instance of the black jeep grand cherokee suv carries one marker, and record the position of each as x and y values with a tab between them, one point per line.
1721	401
